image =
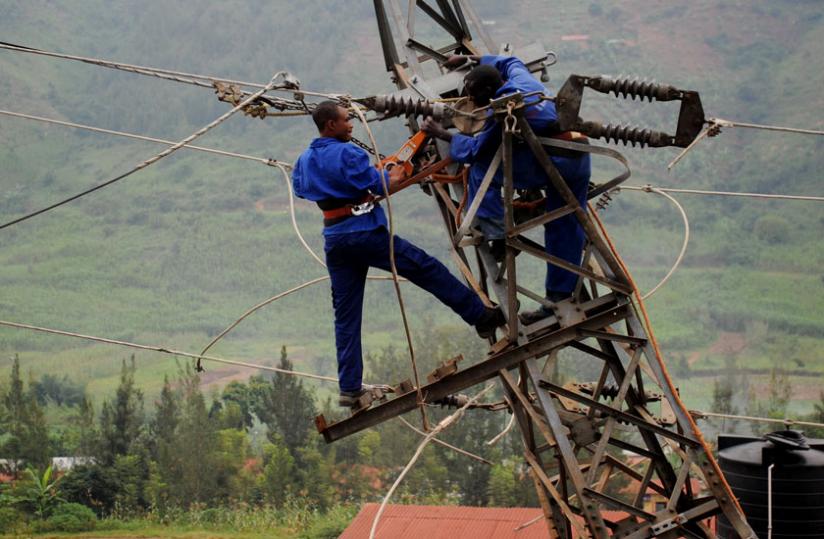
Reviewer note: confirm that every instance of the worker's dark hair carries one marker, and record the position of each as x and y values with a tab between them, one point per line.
324	112
484	75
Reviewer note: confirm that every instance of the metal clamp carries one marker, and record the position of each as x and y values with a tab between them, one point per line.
363	209
510	121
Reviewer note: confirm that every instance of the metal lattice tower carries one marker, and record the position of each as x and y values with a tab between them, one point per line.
592	446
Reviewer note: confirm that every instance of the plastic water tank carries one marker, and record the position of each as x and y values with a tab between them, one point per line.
797	483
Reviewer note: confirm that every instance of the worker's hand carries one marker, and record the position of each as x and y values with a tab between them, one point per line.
435	129
455	60
396	174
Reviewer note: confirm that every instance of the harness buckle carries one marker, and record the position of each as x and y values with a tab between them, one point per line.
363	208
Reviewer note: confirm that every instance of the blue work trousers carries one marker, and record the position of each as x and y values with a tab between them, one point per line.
563	237
349	257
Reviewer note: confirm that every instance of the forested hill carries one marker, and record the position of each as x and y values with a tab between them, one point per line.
178	251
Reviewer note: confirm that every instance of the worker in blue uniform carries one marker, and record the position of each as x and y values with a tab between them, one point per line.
338	176
496	76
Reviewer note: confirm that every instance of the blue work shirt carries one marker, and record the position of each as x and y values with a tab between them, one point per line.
329	168
480	149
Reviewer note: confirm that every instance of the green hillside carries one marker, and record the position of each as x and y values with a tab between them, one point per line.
175	253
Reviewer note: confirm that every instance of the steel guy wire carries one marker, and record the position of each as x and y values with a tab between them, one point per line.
265	161
649	187
176	76
149	161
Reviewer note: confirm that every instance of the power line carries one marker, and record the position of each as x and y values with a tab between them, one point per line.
650	188
164	350
714	126
786	421
204	81
265	161
720	122
149	161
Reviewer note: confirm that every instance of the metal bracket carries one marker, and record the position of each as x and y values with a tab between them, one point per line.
447	368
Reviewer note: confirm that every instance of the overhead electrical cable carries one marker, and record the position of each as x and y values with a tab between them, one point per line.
168	151
264	160
768	196
204	81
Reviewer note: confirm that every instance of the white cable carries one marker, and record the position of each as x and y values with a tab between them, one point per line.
438	428
683	245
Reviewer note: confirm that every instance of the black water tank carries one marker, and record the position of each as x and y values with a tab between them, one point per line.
797	483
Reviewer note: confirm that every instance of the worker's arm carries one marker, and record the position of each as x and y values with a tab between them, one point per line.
463	148
359	173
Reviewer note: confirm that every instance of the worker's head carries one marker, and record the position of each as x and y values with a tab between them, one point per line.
481	84
333	121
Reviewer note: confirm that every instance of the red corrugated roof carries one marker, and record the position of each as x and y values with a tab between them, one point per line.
452	522
446	522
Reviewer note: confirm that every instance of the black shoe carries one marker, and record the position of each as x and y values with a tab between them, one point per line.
491	319
498	250
348	399
530	317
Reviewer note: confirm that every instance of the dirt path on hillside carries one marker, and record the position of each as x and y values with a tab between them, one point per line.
727	344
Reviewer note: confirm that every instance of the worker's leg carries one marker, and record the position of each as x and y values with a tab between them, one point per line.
347	271
565	237
490	216
428	273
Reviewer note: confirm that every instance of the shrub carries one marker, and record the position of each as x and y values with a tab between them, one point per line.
72	517
772	229
11	520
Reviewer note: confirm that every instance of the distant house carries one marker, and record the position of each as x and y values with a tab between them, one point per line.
64	464
451	522
59	464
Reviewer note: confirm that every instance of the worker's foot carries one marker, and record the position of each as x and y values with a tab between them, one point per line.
348	399
498	249
491	319
530	317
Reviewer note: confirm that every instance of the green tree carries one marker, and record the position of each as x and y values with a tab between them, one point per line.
278	477
27	439
87	436
779	392
287	407
188	459
60	391
122	419
237	397
503	487
723	391
93	485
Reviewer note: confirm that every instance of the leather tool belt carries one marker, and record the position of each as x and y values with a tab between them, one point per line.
337	210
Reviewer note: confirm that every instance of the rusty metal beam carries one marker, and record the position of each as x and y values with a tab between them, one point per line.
468	377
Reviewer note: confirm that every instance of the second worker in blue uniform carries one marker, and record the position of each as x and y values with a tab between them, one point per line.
497	76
